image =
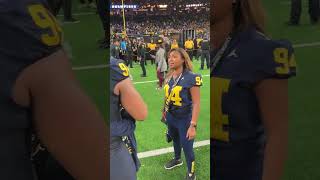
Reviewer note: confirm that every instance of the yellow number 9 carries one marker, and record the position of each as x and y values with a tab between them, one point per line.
198	81
281	55
41	17
219	86
124	68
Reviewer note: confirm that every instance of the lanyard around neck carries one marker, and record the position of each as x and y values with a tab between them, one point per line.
167	101
217	58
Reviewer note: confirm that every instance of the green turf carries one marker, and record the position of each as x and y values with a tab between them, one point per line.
81	45
303	158
152	168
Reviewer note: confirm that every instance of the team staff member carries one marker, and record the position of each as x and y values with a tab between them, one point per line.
199	42
39	93
195	49
142	57
205	53
129	54
152	47
249	90
174	44
189	45
126	107
115	49
182	107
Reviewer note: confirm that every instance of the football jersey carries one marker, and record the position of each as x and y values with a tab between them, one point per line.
237	131
174	45
189	44
152	46
118	126
199	40
178	97
28	33
121	123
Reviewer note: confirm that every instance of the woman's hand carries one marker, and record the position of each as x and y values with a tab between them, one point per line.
163	118
191	133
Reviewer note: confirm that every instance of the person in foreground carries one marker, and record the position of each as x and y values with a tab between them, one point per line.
182	108
126	107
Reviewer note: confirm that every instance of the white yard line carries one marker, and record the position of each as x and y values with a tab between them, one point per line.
313	44
102	66
162	151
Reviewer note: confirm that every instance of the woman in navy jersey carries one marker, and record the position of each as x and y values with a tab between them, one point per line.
249	94
182	108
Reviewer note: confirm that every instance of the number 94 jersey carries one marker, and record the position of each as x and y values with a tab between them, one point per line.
237	131
118	72
178	98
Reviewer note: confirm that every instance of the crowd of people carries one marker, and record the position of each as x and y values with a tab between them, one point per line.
168	2
149	18
162	25
137	50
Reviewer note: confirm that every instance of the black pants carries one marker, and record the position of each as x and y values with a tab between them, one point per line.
83	1
296	9
142	64
129	60
190	53
177	128
103	11
48	168
205	56
55	6
152	52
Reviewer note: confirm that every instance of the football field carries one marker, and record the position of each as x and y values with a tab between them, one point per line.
151	133
303	159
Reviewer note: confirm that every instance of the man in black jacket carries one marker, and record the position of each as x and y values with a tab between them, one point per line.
205	53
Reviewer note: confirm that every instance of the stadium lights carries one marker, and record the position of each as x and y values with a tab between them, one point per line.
163	6
125	6
194	5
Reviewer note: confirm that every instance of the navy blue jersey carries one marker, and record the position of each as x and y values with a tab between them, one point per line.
178	98
28	33
119	125
122	125
237	131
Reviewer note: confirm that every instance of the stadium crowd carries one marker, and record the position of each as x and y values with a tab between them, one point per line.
162	25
